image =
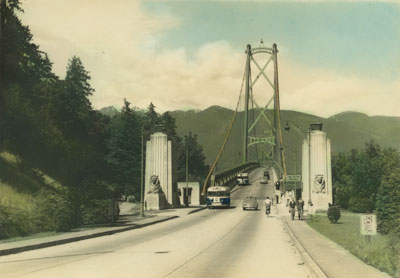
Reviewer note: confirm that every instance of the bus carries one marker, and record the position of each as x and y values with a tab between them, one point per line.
218	196
242	179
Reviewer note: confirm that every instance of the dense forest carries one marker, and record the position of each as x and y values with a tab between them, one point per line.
50	126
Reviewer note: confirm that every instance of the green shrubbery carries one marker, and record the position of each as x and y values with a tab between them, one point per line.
98	211
361	204
22	214
388	204
54	211
333	214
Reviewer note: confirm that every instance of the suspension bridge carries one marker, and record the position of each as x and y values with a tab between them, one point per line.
254	135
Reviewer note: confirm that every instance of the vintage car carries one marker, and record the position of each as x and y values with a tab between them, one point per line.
263	180
250	202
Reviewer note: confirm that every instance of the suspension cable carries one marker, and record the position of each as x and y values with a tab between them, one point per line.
225	139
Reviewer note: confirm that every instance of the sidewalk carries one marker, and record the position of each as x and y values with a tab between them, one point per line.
125	223
324	257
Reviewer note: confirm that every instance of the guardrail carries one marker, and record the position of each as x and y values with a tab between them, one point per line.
227	176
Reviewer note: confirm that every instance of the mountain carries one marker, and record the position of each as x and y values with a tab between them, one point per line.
110	111
346	130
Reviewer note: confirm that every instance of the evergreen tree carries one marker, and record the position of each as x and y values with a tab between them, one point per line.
197	167
152	119
124	150
73	104
388	203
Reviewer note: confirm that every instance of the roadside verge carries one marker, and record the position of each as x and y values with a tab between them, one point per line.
313	267
27	245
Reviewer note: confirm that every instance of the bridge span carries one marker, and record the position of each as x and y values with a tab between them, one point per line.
210	243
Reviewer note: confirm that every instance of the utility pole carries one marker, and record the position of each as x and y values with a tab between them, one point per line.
277	124
295	173
141	179
246	108
187	171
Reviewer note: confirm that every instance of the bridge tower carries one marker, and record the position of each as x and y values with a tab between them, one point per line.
271	137
254	134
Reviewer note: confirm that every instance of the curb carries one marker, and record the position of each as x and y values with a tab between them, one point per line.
197	210
16	250
314	268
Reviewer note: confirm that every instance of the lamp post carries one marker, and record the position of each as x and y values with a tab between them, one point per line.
141	180
287	129
187	172
310	204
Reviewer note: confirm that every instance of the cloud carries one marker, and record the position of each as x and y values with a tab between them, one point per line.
326	93
118	42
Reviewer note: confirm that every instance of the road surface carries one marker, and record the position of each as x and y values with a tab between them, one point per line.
211	243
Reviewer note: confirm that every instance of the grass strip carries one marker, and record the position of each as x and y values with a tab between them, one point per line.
382	252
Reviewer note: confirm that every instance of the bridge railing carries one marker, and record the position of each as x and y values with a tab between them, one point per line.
226	177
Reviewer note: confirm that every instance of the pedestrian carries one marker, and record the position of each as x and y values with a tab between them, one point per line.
300	208
268	204
292	208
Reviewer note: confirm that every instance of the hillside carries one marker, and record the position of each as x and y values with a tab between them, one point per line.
346	130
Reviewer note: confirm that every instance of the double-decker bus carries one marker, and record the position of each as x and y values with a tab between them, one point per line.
218	196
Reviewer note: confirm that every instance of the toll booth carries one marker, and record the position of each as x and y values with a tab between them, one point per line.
189	193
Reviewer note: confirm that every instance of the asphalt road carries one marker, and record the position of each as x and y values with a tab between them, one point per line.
211	243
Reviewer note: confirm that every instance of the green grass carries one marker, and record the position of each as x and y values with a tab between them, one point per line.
9	197
382	252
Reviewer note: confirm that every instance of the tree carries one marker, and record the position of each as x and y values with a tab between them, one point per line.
73	104
388	203
152	119
197	167
124	150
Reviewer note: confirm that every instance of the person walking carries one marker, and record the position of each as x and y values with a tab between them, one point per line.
300	208
292	208
268	204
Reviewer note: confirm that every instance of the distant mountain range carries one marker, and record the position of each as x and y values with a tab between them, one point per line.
346	130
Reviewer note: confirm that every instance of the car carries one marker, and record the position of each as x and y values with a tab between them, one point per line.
263	180
266	174
250	202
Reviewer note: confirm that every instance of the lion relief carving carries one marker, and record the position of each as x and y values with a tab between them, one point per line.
154	185
319	184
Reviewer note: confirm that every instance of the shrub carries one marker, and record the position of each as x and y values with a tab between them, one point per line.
361	204
388	204
333	214
98	212
54	211
14	222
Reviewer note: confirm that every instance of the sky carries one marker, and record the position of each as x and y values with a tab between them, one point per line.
334	56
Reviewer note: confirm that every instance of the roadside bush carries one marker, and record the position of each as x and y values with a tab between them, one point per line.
54	211
388	204
333	214
361	204
342	194
14	222
98	212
